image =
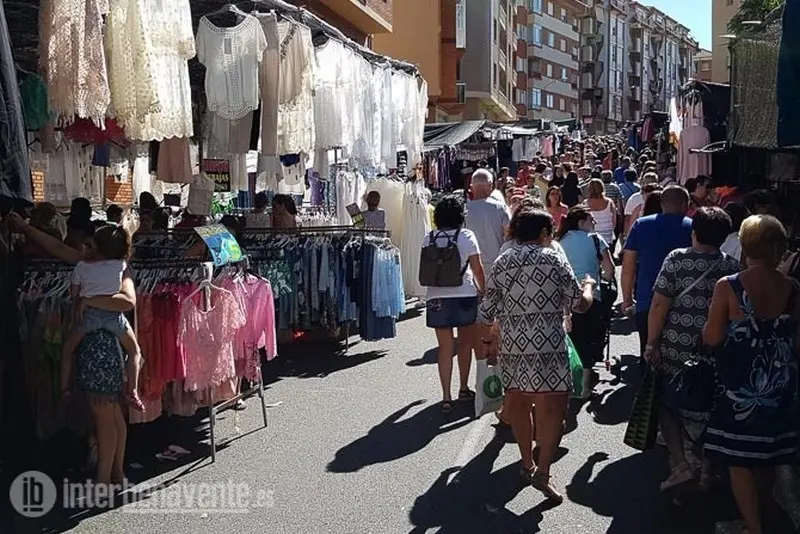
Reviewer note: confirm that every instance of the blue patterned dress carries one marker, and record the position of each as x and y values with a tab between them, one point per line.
755	420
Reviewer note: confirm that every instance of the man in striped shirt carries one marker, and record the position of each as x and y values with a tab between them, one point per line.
614	193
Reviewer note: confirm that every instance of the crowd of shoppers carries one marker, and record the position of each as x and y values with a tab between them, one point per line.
706	287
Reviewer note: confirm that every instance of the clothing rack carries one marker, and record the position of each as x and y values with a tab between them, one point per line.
206	284
317	230
315	23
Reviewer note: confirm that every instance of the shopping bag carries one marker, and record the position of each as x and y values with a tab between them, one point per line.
488	390
576	368
643	422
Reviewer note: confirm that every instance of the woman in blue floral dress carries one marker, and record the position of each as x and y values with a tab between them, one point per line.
753	320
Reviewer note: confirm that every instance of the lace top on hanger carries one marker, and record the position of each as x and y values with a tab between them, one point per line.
73	59
170	27
231	57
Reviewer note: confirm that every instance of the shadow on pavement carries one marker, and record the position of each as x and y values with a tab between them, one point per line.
613	406
475	499
395	438
623	326
314	360
628	492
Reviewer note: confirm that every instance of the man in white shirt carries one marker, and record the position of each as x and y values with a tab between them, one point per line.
487	218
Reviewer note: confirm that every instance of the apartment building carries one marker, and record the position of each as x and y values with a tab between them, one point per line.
549	32
488	67
432	35
604	65
703	65
722	11
358	19
661	56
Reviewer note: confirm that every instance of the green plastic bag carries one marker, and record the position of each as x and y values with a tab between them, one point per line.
576	367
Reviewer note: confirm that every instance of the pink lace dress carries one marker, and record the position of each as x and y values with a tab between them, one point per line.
208	338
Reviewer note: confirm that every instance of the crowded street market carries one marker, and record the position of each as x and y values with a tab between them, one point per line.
235	243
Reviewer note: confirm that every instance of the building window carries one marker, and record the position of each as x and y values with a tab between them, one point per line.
551	39
521	64
494	30
520	97
563	14
550	8
705	66
536	6
550	101
574	108
563	45
536	98
537	34
494	73
549	70
563	74
562	104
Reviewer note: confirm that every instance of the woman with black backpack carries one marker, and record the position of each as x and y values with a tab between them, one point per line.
451	269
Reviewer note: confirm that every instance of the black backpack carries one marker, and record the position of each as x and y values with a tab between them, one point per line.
441	266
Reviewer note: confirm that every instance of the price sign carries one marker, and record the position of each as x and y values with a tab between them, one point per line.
219	170
223	246
356	215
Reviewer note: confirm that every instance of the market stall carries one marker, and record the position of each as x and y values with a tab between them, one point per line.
147	102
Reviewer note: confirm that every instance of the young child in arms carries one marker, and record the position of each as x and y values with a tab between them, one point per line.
101	275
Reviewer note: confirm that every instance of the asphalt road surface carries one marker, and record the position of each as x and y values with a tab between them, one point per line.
356	443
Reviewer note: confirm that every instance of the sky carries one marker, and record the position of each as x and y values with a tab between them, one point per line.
694	14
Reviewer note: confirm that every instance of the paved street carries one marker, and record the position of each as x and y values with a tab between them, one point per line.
358	445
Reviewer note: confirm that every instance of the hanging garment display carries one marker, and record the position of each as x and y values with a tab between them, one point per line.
392	192
33	94
231	57
350	189
130	69
333	95
15	178
174	161
269	72
416	225
73	59
169	27
692	165
296	131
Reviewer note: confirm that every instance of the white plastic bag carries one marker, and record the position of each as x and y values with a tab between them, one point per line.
488	390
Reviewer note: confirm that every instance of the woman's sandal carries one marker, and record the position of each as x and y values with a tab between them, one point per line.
542	482
466	395
447	406
526	474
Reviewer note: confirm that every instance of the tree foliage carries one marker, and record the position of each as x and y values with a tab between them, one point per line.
751	10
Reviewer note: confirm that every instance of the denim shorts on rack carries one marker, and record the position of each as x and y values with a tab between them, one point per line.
451	312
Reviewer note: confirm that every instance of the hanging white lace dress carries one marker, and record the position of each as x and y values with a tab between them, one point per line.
329	105
296	132
416	224
130	55
169	24
231	57
72	58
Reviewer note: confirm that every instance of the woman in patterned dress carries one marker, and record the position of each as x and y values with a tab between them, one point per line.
529	290
754	319
682	295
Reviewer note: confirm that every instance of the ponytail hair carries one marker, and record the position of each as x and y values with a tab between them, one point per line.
573	219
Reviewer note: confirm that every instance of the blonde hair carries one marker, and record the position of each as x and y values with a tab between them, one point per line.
763	237
596	188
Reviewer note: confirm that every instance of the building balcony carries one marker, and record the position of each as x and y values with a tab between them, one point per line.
558	87
553	55
559	26
502	15
368	16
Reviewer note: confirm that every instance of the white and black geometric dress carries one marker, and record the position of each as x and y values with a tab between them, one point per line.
527	292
